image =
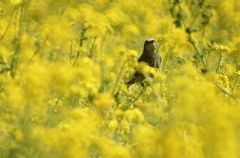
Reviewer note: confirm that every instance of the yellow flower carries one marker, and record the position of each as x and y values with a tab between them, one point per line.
18	135
16	2
35	119
134	115
112	125
124	127
160	39
223	48
65	127
87	25
117	112
52	102
224	80
77	113
103	102
144	68
101	2
132	57
238	72
130	31
148	90
116	16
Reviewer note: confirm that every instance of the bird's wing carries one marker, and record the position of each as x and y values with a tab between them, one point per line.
137	77
143	57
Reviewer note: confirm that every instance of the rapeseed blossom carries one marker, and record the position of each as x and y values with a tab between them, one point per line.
103	102
64	67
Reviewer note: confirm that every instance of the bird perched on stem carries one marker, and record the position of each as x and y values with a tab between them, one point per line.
150	57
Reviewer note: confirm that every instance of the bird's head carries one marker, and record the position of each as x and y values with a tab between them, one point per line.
150	45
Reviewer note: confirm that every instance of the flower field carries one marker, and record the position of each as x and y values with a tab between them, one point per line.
64	66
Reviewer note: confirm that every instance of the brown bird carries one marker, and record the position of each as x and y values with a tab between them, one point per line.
150	57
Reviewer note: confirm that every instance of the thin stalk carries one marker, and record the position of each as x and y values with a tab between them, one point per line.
157	95
219	61
155	61
206	58
101	67
235	83
57	101
82	36
226	91
195	17
138	96
15	60
119	76
71	48
9	23
203	31
101	89
91	50
198	52
78	54
193	43
35	53
65	8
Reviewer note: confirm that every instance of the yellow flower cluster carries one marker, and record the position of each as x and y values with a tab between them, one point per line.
224	81
112	125
104	102
223	48
64	66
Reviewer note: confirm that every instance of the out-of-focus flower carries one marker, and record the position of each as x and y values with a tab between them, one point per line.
132	56
104	102
124	127
116	16
223	48
118	113
238	72
134	115
52	102
16	2
112	125
224	80
80	113
160	39
130	31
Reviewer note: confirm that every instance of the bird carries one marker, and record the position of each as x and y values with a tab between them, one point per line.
150	57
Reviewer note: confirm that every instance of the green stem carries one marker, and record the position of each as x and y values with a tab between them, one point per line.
71	48
19	36
91	50
10	20
193	43
138	96
195	17
219	61
226	91
57	101
35	53
74	62
235	83
119	76
198	52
